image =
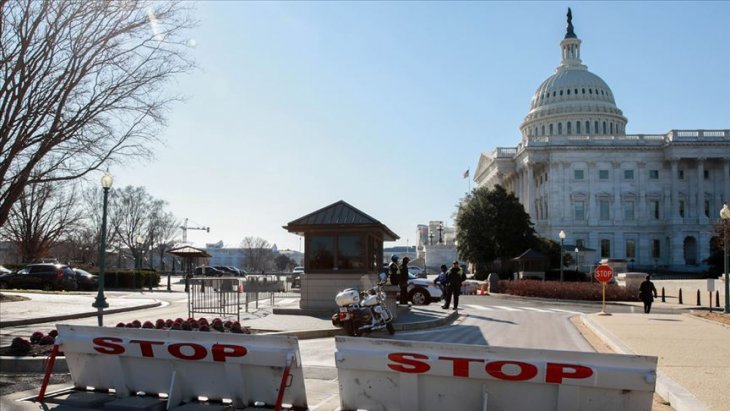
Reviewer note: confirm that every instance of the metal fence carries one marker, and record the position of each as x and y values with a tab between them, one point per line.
228	296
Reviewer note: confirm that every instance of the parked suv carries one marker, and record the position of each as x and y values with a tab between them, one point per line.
42	277
208	271
296	277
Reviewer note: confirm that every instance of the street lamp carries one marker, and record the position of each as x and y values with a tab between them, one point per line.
576	259
430	237
100	303
562	238
140	241
441	229
725	216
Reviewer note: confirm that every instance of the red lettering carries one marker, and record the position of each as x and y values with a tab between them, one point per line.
409	362
527	371
199	352
146	346
107	346
461	365
556	372
221	351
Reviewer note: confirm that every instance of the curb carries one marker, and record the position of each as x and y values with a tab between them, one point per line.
87	314
679	398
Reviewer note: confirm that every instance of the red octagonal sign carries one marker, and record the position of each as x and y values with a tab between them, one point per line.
603	273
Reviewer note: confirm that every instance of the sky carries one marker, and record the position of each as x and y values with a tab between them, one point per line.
385	105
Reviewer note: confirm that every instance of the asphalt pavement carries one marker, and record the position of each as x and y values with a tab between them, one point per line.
694	353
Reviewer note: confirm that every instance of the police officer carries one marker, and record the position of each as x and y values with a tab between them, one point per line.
393	270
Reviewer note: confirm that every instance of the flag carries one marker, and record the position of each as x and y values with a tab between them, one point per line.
466	173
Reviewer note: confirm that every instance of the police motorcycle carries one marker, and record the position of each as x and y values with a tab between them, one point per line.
363	311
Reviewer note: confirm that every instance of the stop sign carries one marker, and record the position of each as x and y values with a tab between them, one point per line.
603	273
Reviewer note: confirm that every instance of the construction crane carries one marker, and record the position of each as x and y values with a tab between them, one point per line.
185	227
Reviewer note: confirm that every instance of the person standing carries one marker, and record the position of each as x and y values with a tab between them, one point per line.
441	280
393	270
403	281
453	288
647	293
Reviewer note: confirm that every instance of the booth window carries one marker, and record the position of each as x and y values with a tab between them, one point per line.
338	252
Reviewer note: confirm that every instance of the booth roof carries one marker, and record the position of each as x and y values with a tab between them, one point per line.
340	215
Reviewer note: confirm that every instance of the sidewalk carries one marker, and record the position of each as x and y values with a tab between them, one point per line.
693	353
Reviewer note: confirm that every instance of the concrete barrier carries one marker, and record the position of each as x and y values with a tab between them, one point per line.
183	366
392	375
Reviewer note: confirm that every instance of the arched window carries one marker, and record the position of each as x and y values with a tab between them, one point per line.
584	90
535	131
611	128
568	131
568	91
560	128
561	92
604	128
590	91
588	127
595	127
542	132
577	127
551	129
576	91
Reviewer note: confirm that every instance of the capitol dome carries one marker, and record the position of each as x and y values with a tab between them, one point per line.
573	101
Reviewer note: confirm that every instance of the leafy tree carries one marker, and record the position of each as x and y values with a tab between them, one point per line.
492	224
81	85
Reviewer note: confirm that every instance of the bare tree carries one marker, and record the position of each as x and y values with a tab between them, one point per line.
163	230
129	214
82	85
258	255
43	214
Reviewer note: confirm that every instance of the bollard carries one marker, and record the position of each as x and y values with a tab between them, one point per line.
680	296
664	298
717	298
699	303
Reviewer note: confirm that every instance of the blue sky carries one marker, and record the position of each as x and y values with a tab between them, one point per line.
384	105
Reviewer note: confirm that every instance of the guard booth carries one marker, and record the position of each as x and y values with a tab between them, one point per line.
343	247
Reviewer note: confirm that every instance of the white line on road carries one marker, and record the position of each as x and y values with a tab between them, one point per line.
540	310
502	307
566	311
478	307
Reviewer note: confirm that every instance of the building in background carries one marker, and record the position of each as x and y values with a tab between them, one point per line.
650	199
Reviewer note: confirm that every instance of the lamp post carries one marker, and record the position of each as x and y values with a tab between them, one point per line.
430	237
576	259
441	229
100	303
725	216
562	238
138	263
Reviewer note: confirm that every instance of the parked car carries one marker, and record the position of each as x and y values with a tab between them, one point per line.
228	271
422	291
208	271
85	280
296	277
4	270
42	277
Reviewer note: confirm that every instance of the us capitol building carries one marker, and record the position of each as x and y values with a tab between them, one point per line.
647	198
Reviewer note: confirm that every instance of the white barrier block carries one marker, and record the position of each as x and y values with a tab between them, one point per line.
393	375
184	364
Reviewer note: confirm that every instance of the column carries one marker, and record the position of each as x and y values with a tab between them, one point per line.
531	192
641	213
726	181
674	201
701	218
565	184
617	177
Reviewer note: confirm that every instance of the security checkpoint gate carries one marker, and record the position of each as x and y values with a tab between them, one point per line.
240	368
392	375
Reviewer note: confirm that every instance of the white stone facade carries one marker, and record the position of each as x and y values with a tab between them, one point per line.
652	199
